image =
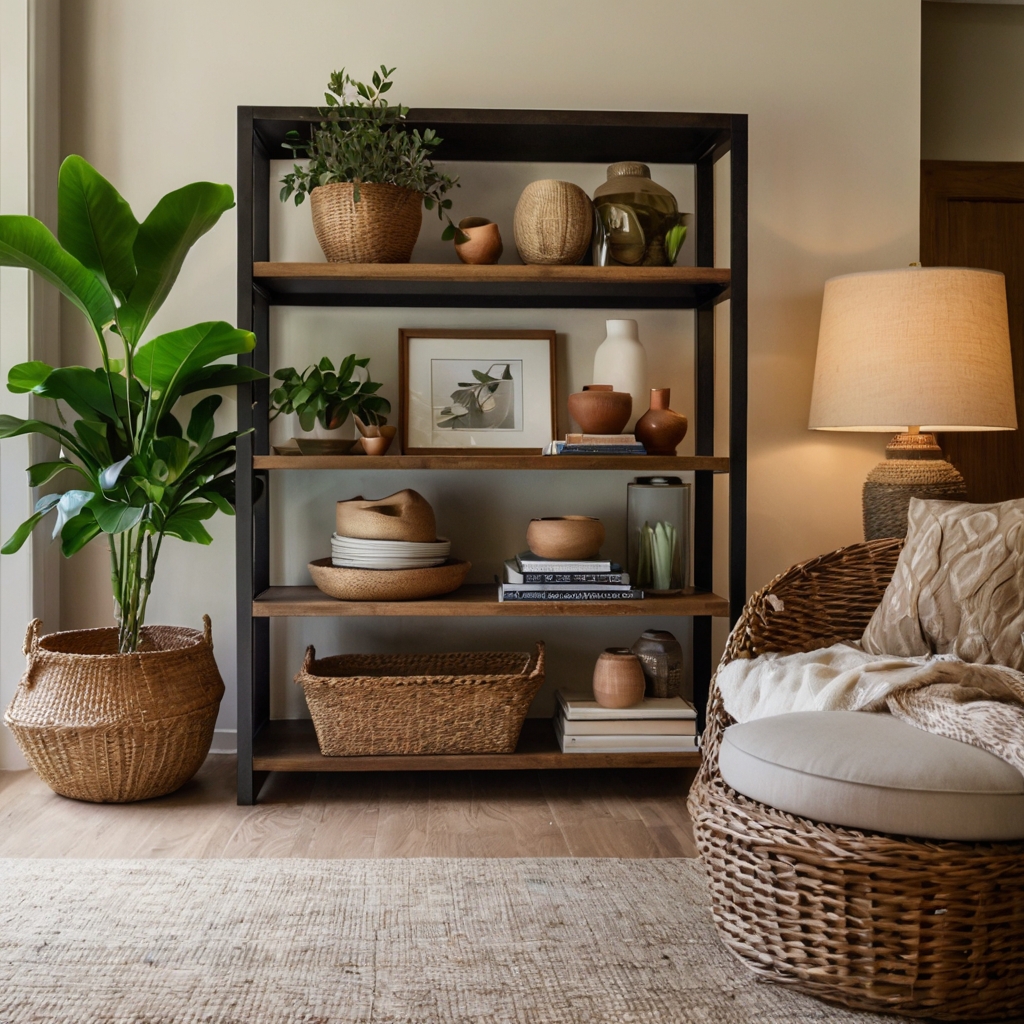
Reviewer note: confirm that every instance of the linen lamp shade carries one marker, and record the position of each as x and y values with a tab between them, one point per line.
912	351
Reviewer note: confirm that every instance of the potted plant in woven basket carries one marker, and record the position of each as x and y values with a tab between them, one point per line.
127	712
367	177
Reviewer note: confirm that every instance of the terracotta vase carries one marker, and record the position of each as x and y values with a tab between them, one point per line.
660	429
406	515
484	245
618	678
566	538
600	410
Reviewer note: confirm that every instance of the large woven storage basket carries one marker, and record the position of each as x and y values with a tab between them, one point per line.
473	703
381	228
107	727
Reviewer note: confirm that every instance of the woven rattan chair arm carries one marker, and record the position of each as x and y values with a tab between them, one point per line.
815	604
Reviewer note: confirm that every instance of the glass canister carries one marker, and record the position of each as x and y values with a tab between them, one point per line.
658	533
637	222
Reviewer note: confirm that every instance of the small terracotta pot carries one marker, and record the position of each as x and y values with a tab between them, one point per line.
618	678
600	410
484	245
566	538
660	429
377	445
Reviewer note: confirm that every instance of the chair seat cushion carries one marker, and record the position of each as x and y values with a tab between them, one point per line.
874	772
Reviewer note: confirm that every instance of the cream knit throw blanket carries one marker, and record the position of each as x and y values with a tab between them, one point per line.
978	704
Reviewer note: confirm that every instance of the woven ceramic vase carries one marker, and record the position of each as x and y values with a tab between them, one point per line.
111	728
553	222
381	228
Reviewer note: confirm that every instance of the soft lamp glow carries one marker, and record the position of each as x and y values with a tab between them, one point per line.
924	347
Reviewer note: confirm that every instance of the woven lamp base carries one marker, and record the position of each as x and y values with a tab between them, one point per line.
913	468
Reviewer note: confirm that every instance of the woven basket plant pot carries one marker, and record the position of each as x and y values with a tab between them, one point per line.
381	228
110	728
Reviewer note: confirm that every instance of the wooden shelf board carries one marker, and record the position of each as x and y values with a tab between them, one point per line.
638	463
290	746
478	599
457	284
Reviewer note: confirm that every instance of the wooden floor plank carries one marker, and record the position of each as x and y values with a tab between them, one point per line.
576	812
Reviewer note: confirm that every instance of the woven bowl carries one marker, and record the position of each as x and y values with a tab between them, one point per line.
388	584
381	228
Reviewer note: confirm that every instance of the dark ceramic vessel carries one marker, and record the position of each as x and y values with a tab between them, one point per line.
660	429
661	658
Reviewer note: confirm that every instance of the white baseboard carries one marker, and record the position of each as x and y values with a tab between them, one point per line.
225	741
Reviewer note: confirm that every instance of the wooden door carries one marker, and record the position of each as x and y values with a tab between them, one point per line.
972	215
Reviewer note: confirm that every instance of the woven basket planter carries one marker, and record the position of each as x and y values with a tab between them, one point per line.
919	927
381	228
110	728
472	703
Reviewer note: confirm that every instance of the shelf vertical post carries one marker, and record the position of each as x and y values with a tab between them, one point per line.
738	373
704	432
251	525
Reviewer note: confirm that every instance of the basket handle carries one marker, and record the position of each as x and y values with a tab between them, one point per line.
307	661
35	627
208	632
538	669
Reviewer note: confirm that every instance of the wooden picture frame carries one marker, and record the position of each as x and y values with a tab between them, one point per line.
498	408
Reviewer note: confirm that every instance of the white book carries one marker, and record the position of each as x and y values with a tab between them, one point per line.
578	706
588	587
624	744
527	561
635	727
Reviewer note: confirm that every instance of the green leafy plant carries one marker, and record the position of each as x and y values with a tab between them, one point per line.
322	393
141	475
361	140
659	551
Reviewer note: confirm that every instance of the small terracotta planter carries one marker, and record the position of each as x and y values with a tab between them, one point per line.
484	245
618	678
660	429
568	538
600	410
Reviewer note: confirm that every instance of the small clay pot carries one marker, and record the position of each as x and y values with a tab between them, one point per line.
377	445
600	410
484	245
661	658
618	678
660	429
565	538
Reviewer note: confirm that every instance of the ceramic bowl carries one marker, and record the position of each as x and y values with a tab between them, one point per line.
566	538
600	410
387	584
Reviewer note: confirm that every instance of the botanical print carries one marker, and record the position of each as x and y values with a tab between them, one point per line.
477	394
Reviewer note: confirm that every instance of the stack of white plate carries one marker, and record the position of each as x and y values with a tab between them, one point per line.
357	553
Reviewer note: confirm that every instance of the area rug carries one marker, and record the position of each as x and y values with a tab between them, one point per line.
431	941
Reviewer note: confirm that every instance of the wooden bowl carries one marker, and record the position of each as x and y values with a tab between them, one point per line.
618	678
387	584
566	538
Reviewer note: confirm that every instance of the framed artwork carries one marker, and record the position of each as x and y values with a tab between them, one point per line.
472	391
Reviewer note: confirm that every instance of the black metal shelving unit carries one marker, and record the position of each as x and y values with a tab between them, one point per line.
492	135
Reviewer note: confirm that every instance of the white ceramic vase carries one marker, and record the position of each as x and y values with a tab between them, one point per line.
621	361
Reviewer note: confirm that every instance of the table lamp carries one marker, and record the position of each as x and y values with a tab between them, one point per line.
913	351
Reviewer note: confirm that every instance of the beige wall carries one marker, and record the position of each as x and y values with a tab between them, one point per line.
972	81
832	90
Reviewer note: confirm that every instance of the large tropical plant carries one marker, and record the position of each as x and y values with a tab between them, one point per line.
140	473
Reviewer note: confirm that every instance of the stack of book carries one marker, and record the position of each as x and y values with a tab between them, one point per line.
662	725
529	578
596	444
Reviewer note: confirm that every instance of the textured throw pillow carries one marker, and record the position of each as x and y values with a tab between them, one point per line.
958	587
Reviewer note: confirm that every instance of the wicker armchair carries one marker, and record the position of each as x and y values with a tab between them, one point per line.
872	921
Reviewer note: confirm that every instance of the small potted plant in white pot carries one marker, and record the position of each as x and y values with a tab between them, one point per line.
367	177
128	712
322	398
